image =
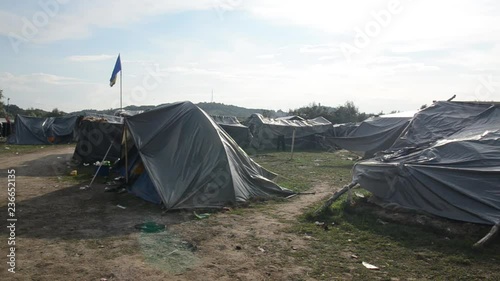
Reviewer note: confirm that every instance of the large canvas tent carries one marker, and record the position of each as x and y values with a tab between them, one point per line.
49	130
309	134
96	135
240	133
447	163
185	160
372	135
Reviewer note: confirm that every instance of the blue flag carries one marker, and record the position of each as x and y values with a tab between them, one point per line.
118	68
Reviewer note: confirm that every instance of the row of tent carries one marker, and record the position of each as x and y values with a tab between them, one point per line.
443	160
176	155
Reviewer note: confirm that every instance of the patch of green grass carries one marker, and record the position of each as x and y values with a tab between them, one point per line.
399	250
6	149
307	168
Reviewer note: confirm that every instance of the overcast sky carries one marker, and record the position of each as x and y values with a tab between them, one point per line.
274	54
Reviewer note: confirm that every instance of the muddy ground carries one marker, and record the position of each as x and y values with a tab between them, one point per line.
66	233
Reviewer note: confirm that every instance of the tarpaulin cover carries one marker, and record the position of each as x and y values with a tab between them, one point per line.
193	163
95	136
240	133
266	131
372	135
447	163
50	130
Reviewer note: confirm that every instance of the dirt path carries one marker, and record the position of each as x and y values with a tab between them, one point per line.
69	234
252	246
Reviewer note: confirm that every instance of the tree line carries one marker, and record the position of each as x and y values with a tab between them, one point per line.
346	113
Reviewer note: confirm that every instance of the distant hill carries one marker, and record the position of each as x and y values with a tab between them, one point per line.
210	107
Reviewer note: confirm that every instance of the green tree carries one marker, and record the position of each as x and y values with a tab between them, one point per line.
55	113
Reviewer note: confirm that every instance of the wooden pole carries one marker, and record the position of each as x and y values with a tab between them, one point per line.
334	197
126	150
486	239
293	142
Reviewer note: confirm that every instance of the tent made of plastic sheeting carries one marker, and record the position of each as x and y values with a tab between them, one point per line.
374	134
343	130
97	134
240	133
309	134
49	130
293	117
447	163
5	127
185	160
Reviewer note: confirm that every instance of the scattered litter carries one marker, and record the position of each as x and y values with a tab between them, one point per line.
354	256
150	227
73	173
101	246
294	248
260	249
86	164
172	252
360	195
319	223
59	157
201	216
350	158
382	222
7	147
333	223
370	266
349	240
104	279
84	187
110	189
122	207
308	237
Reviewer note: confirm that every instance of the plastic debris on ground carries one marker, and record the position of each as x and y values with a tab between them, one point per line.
201	216
370	266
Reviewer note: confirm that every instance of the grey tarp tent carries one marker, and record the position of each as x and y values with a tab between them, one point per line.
39	130
190	162
374	134
96	134
240	133
447	163
309	134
